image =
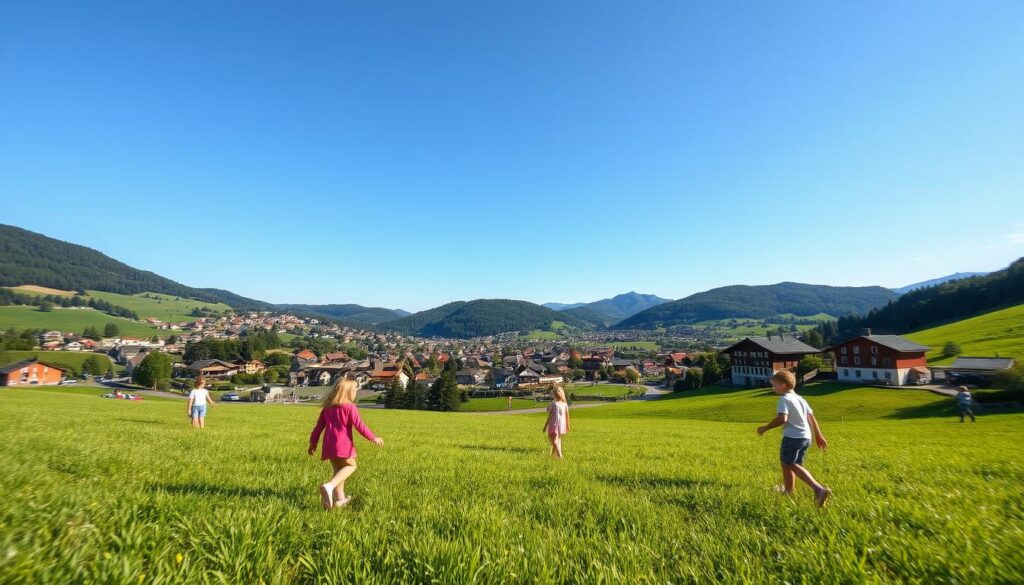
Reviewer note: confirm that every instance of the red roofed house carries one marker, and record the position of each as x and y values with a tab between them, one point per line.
29	372
306	357
388	372
881	359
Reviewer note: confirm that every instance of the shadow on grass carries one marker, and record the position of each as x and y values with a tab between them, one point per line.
142	421
295	497
931	410
500	449
652	482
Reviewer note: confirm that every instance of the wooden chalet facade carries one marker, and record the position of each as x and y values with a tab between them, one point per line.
754	359
881	359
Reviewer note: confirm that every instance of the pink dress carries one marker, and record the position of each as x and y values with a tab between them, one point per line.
336	424
558	419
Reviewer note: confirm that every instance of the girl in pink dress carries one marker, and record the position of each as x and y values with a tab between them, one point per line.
337	418
557	423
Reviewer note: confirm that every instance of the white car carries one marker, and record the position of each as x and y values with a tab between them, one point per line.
66	382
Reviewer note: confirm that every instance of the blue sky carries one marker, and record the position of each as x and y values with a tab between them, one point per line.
406	154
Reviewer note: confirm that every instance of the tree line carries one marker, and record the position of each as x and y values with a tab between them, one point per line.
443	395
80	299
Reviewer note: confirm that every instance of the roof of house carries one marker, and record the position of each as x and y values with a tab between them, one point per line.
306	355
203	364
784	345
622	362
468	372
894	342
25	363
423	376
982	363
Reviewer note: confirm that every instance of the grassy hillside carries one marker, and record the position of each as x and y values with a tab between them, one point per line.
353	314
65	320
997	333
484	317
30	258
72	358
167	308
685	500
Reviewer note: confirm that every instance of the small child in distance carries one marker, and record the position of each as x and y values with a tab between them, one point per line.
557	423
338	417
799	426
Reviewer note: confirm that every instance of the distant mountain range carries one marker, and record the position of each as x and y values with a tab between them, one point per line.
609	311
936	281
763	301
481	317
350	312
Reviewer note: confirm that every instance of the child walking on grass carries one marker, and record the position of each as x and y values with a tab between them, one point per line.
198	400
799	426
338	417
557	423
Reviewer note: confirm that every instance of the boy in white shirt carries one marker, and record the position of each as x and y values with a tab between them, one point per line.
799	426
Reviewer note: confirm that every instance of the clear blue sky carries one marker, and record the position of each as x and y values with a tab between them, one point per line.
406	154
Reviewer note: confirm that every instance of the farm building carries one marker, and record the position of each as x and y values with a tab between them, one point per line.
754	359
30	372
881	359
213	368
974	370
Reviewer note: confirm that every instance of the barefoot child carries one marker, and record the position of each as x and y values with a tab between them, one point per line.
337	418
557	423
198	400
799	426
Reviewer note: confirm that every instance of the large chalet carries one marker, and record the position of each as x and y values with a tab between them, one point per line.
754	359
881	359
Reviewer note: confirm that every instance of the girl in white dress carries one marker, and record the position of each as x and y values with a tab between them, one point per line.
557	423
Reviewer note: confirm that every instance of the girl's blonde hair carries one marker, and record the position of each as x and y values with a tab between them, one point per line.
559	394
200	381
344	391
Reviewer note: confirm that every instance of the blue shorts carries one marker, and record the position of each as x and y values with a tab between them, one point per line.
793	450
198	411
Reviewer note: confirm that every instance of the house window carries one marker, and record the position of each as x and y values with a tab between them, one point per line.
846	373
842	360
842	349
856	349
874	361
857	372
874	350
856	360
874	374
888	375
886	362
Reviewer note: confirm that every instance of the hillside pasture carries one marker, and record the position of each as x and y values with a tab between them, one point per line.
71	358
94	492
35	290
68	319
167	308
996	333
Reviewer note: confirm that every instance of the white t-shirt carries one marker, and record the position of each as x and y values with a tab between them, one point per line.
199	396
796	410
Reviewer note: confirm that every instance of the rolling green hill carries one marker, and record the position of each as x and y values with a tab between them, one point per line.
30	258
760	302
483	317
999	332
167	308
943	303
65	320
356	314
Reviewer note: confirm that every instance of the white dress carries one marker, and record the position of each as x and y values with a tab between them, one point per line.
558	417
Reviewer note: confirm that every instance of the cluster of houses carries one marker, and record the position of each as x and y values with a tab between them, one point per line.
888	360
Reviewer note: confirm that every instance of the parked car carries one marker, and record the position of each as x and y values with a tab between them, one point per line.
230	397
68	381
257	396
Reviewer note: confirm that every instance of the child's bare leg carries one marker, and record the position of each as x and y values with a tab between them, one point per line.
801	472
343	469
202	422
788	479
195	422
557	444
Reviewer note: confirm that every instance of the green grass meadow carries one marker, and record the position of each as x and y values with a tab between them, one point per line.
72	358
678	490
996	333
65	320
167	308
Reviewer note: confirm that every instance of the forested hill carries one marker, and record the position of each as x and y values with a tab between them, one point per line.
349	312
30	258
949	301
481	317
762	301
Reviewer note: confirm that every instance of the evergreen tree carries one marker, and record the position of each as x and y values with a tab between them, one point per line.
111	330
394	395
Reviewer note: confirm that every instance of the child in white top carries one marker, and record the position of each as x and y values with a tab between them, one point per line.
557	423
198	400
799	427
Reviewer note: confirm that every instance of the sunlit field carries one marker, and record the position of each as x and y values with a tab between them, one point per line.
678	490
